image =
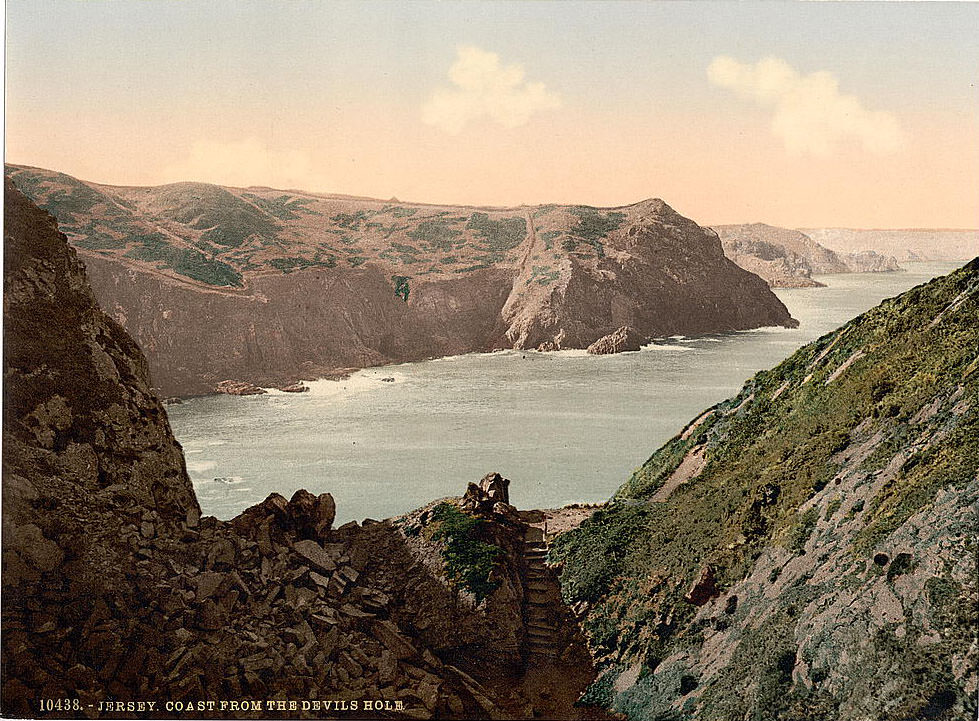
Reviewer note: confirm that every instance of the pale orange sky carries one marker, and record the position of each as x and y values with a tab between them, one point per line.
830	128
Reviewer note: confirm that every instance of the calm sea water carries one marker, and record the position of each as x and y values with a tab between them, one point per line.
564	427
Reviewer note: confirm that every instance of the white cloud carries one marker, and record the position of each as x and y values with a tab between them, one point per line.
483	88
811	115
241	162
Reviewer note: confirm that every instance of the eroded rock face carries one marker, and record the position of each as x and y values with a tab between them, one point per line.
870	261
787	258
115	588
82	429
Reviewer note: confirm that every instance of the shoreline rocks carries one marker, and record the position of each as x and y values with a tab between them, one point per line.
239	388
623	339
298	387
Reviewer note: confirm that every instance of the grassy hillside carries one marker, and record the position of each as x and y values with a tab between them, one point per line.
219	236
806	549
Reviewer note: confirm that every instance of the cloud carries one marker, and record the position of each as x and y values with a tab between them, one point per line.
483	88
811	115
241	162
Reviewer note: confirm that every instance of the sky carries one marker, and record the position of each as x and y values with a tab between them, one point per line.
855	114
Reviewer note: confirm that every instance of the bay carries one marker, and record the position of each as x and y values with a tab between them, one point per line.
564	427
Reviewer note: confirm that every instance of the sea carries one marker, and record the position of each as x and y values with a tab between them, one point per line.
564	427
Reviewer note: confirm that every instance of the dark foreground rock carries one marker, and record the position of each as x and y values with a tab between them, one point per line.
115	589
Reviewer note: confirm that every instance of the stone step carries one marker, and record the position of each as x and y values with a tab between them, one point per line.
538	603
537	626
540	587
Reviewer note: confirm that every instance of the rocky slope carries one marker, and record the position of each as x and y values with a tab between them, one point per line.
806	549
907	244
788	258
268	286
115	589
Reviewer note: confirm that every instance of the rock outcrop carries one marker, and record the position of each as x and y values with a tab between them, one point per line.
788	258
268	287
115	589
870	261
806	549
623	339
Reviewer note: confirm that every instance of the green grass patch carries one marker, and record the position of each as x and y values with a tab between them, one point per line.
435	234
469	559
401	287
498	235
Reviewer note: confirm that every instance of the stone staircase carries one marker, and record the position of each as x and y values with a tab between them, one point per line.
540	594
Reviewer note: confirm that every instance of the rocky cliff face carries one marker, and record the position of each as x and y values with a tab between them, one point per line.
805	550
788	258
269	286
870	261
908	244
115	588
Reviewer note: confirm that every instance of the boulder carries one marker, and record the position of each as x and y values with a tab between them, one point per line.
481	497
297	387
703	589
313	552
238	388
622	339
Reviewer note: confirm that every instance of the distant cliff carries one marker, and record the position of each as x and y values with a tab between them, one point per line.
869	261
805	550
115	589
907	244
788	258
269	286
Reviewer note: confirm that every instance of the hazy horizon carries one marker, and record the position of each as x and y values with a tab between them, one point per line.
806	115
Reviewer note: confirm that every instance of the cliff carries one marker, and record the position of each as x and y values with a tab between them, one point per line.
788	258
905	244
806	549
870	261
269	286
115	589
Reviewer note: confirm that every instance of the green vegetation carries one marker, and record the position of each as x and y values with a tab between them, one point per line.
196	265
435	234
634	560
224	218
289	264
351	221
592	226
401	288
543	275
548	236
469	560
498	235
398	211
93	240
154	248
282	207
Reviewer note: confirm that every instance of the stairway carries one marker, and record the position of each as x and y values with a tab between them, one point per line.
540	590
